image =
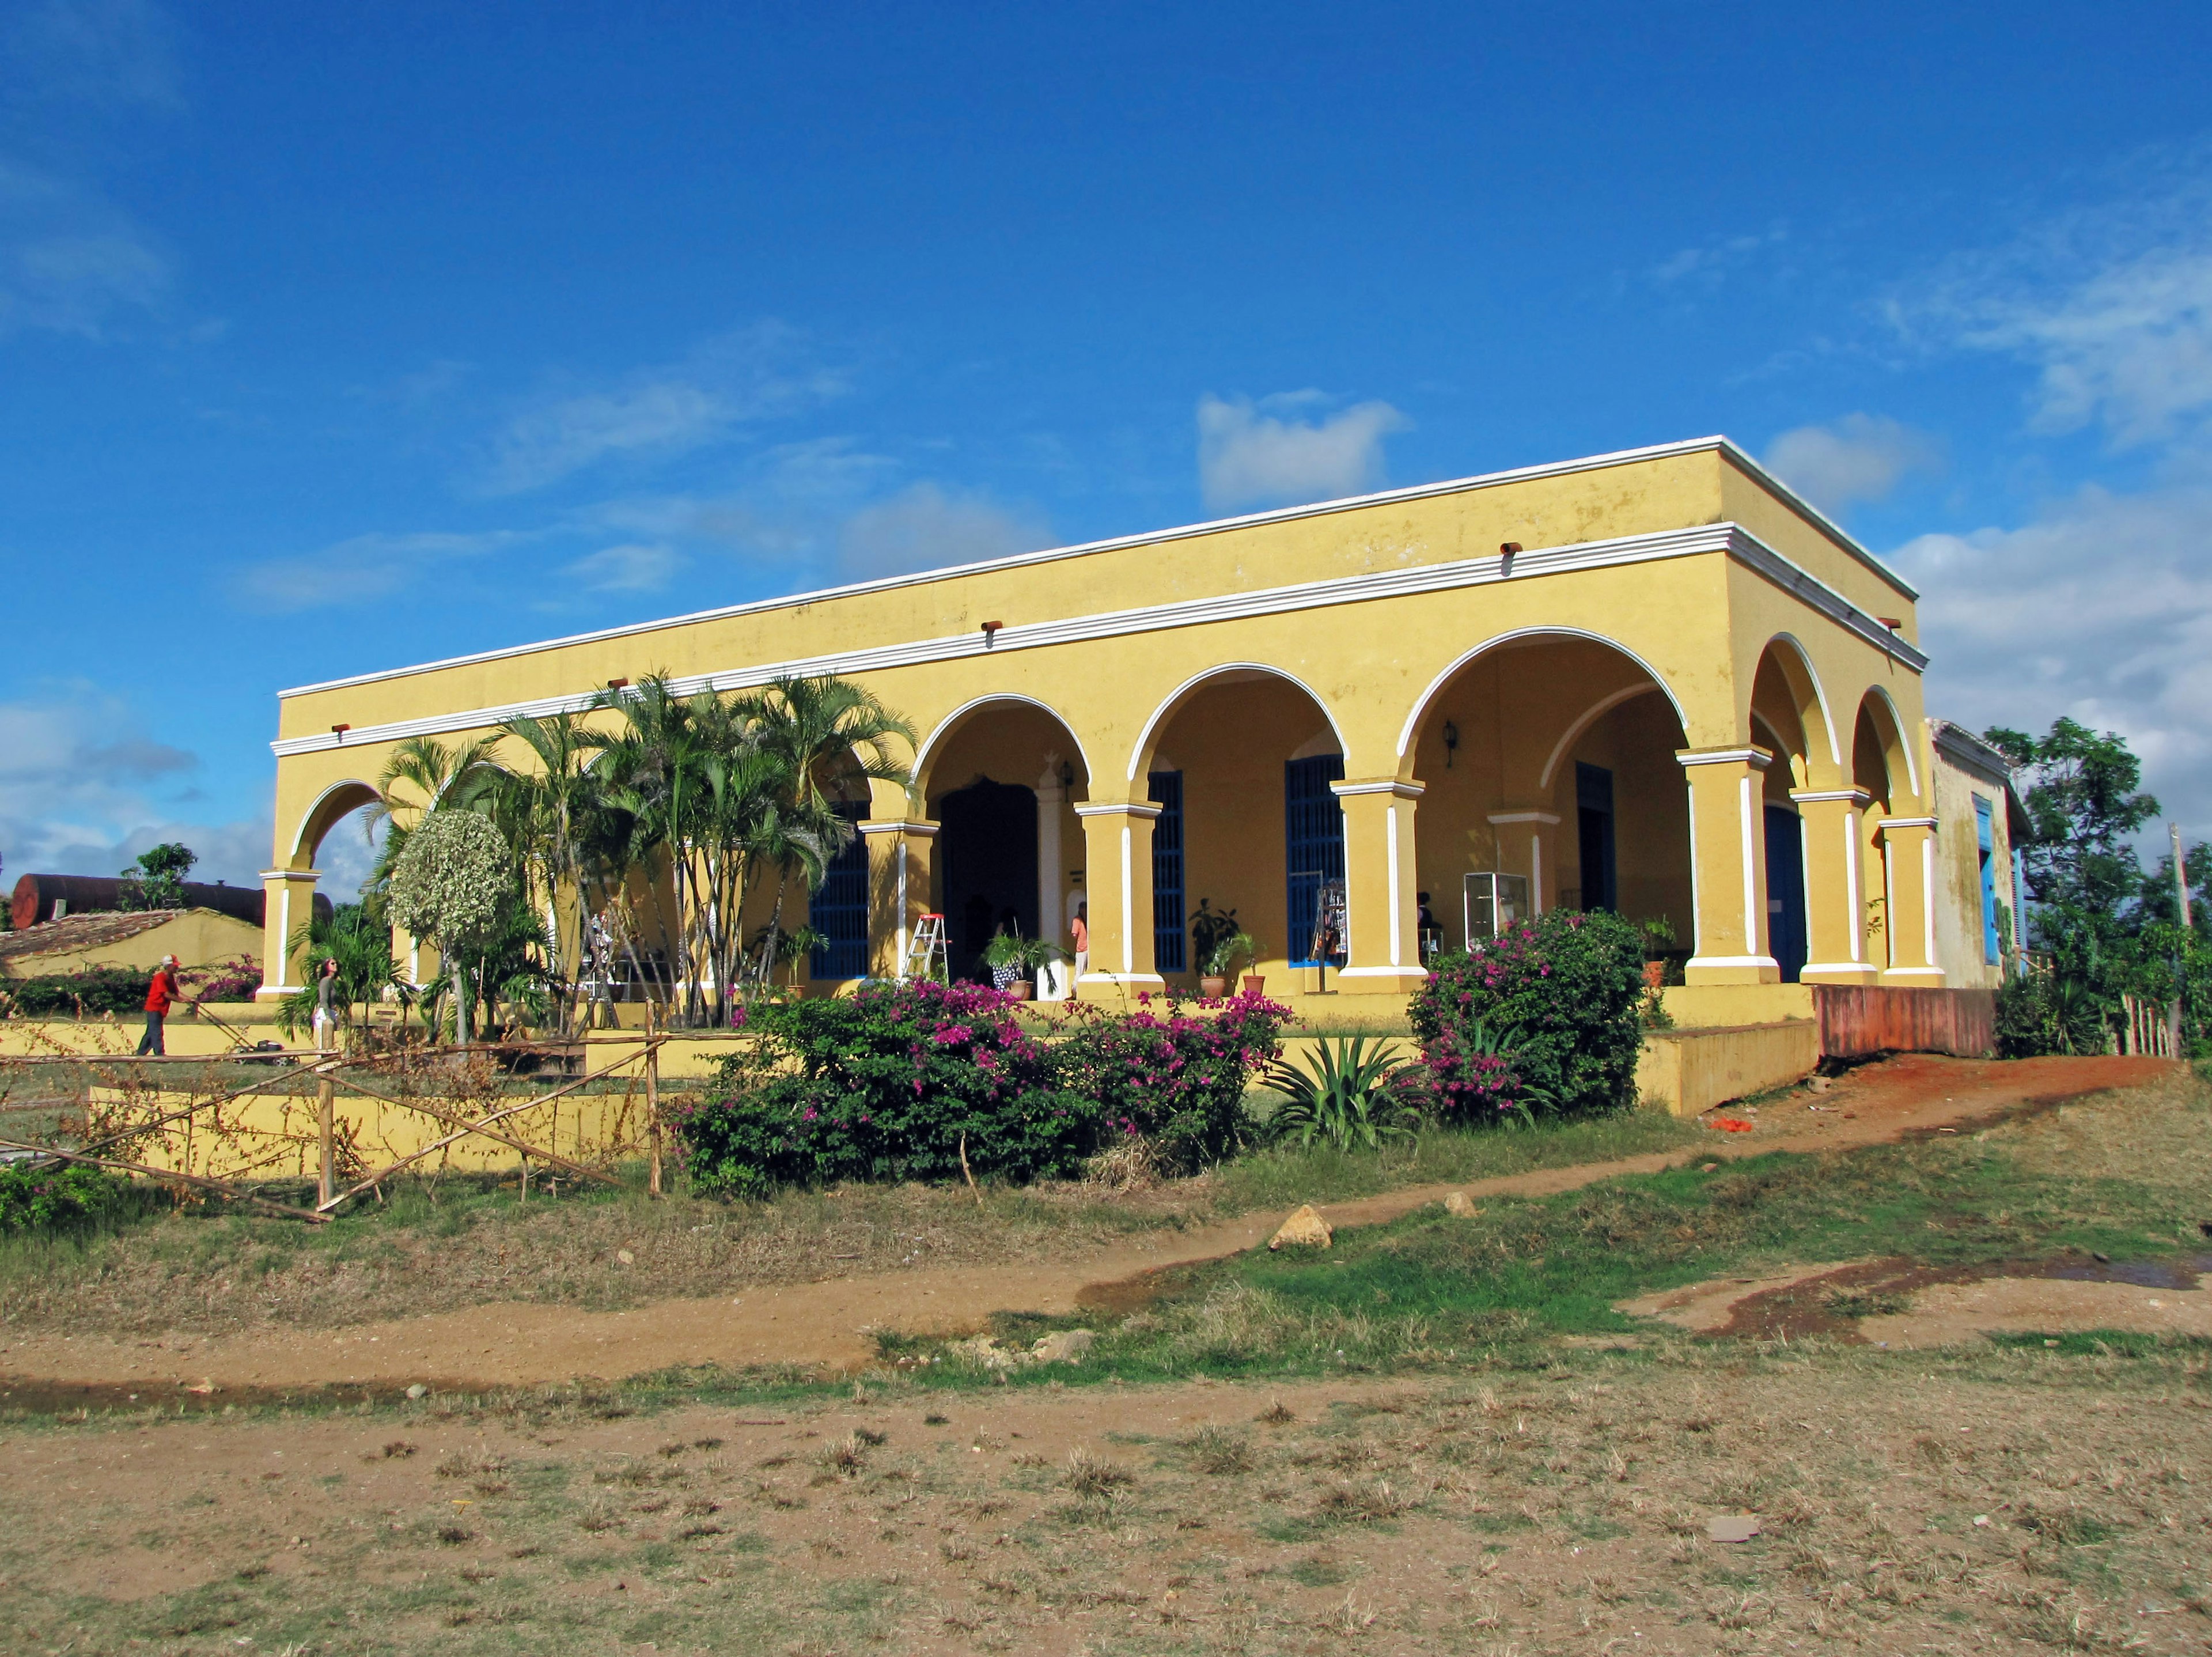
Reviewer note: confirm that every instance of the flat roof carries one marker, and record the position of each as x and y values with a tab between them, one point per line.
1151	538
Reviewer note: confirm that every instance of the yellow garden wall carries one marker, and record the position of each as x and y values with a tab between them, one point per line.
1690	1071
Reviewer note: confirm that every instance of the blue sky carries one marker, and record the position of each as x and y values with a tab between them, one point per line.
333	339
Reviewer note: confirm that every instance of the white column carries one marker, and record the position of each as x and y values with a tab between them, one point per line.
1052	797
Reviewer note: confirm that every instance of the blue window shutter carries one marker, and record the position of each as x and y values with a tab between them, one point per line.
1313	837
1985	842
1165	790
838	908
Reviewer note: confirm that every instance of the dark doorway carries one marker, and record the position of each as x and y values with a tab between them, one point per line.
988	843
1594	834
1785	891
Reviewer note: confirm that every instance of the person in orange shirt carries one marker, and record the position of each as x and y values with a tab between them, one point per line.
161	995
1079	930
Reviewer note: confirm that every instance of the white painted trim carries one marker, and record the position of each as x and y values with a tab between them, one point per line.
1697	905
1804	886
1390	828
1903	736
1851	885
1502	817
1117	809
299	835
1535	875
1858	797
1396	790
1128	906
1732	960
1176	696
1437	685
283	951
1590	715
1753	910
1348	589
944	726
1757	758
920	828
1146	979
1889	905
1819	691
1154	538
1928	823
1927	900
1382	972
903	910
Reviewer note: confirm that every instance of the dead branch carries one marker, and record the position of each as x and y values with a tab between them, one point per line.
236	1193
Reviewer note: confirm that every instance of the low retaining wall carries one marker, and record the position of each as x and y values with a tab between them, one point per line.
1690	1071
1856	1022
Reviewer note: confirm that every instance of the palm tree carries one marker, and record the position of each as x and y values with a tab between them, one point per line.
546	813
817	729
422	776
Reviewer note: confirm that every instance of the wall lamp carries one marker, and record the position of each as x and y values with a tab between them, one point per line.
617	684
1451	742
1067	774
339	731
991	633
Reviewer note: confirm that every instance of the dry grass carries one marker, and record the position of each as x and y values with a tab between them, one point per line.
1546	1509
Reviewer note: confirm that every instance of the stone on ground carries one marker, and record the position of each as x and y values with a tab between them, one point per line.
1305	1228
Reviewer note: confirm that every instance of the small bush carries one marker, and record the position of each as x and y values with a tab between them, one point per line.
68	1198
95	990
1565	988
885	1084
1178	1081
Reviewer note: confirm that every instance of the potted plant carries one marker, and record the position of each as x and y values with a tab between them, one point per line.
1221	962
1658	939
1013	960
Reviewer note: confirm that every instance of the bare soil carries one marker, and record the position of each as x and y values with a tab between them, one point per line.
2009	1500
779	1316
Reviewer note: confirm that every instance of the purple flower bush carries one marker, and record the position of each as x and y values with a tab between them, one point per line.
889	1083
885	1084
1172	1075
1542	1018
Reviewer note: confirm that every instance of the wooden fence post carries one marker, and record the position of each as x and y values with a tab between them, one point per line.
325	1126
653	1105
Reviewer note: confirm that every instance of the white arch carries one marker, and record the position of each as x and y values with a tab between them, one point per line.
299	835
1903	736
1595	711
1436	685
1175	696
1819	691
945	726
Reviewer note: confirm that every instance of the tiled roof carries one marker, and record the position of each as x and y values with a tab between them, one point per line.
81	932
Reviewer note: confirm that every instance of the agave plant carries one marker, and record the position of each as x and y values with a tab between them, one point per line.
1350	1098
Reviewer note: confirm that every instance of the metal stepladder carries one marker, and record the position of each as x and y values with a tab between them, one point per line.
926	948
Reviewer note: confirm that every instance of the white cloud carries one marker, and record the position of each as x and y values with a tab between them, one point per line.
1712	260
659	413
103	54
2102	609
1261	454
1862	457
637	567
922	527
69	261
2112	304
81	790
359	569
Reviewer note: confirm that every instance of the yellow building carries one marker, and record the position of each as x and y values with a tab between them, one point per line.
1656	681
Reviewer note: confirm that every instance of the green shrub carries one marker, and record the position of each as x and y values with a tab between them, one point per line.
1349	1098
886	1084
67	1198
1176	1081
94	991
1544	1017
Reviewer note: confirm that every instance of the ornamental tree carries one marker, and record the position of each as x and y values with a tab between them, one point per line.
448	887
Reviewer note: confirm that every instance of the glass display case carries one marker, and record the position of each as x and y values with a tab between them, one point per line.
1493	902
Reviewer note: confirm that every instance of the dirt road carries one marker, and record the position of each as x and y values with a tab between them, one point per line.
832	1322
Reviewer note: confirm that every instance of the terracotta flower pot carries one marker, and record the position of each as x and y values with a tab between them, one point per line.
1255	983
1655	974
1213	988
1020	989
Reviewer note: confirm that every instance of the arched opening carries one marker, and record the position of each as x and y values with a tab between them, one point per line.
1879	769
1240	763
335	803
1788	720
1549	760
1001	779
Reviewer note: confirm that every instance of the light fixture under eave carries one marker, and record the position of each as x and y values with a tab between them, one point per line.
1451	742
1067	774
617	684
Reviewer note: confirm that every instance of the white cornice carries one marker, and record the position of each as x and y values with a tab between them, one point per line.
1731	539
1158	536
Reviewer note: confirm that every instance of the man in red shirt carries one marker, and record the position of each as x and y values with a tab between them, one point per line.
161	995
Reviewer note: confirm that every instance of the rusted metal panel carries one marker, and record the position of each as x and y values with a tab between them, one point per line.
1856	1021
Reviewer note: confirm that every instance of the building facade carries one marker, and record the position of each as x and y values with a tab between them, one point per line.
1656	681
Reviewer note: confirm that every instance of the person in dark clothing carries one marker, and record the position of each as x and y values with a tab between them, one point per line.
160	995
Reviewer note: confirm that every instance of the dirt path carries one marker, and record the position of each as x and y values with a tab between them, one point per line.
832	1322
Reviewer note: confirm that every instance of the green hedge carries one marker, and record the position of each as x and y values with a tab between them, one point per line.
67	1198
